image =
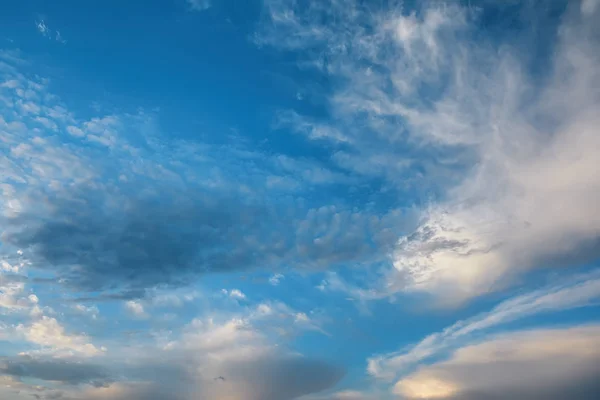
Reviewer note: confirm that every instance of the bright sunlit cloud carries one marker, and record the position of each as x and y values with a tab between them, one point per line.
279	200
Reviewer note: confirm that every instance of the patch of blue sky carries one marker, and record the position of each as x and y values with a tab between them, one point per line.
348	193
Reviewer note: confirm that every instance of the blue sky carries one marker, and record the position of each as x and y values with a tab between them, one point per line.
278	199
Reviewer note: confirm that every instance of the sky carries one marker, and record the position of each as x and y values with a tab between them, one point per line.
288	199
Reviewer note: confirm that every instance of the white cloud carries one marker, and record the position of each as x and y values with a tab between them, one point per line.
136	308
29	107
47	123
199	5
58	37
11	84
574	293
235	294
45	31
52	337
12	295
525	145
276	279
75	131
92	311
172	297
588	7
42	28
537	364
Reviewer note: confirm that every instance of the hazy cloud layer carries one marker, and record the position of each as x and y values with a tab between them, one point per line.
69	372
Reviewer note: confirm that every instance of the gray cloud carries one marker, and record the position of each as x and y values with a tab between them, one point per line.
285	378
69	372
586	387
97	240
111	205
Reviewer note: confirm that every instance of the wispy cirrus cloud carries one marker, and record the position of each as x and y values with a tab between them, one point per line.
575	293
536	364
501	143
45	31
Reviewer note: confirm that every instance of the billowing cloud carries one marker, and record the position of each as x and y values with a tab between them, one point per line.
53	338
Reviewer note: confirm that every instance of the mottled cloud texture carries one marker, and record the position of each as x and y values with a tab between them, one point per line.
516	124
417	220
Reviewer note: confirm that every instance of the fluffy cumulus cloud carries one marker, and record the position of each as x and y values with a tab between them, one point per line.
51	336
510	135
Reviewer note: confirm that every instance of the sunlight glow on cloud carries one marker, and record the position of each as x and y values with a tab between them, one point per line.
281	200
532	364
532	143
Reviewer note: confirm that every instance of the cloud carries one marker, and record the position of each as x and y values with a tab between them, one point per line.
92	311
63	371
12	388
52	337
126	391
173	237
574	293
234	294
45	31
537	364
245	353
276	279
428	102
12	296
42	28
136	308
239	356
199	5
125	210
